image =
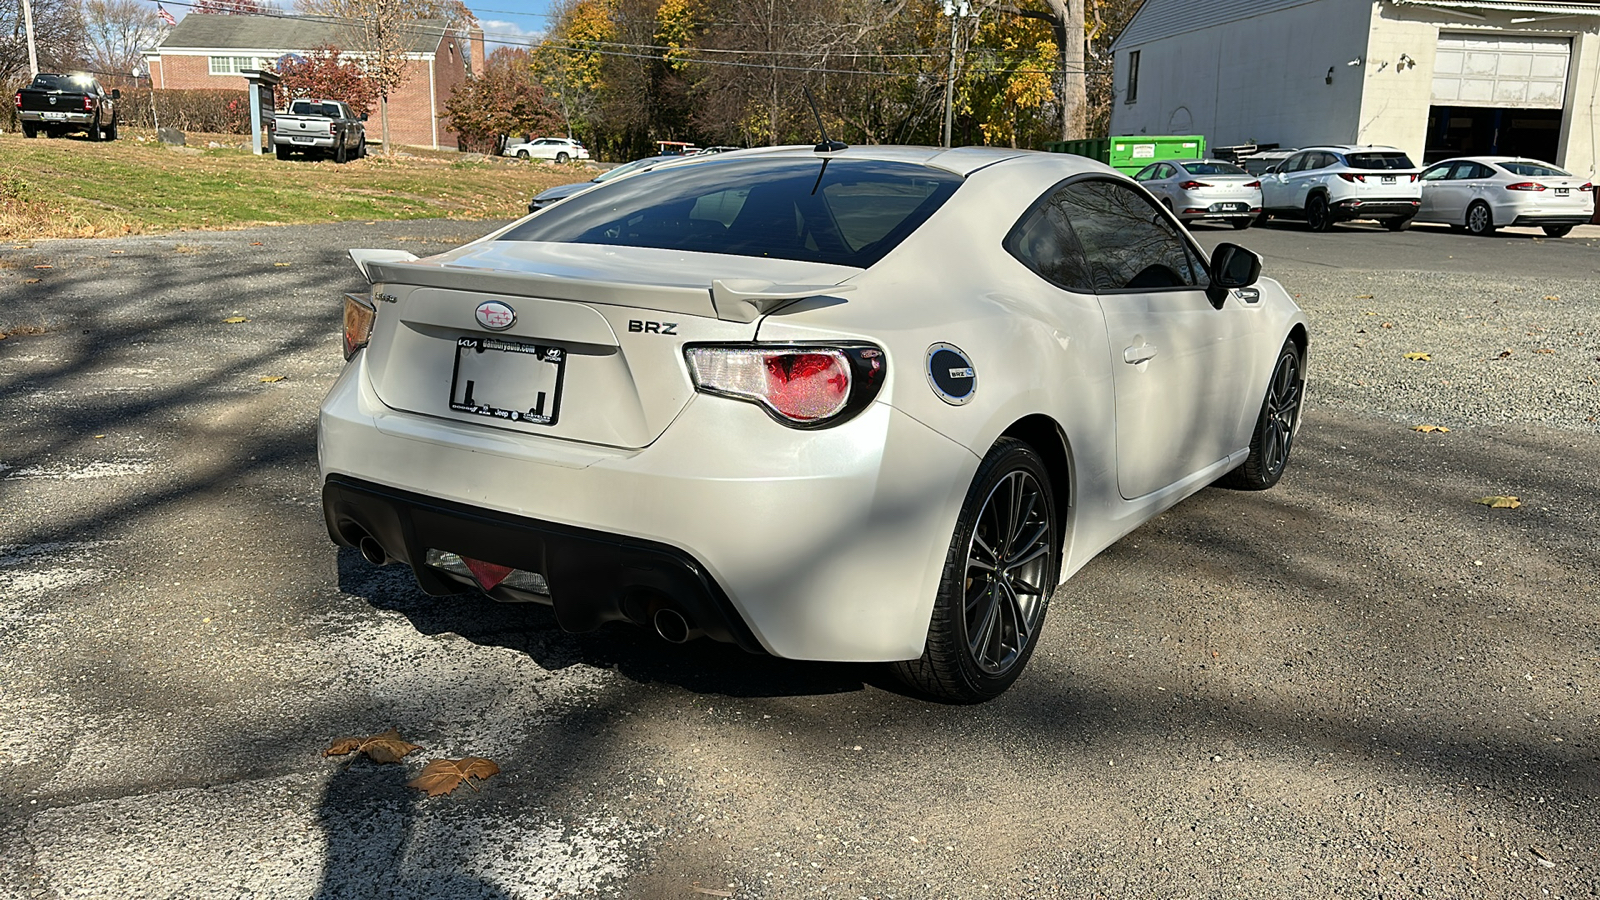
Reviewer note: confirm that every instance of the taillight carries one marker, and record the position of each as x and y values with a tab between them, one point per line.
1525	186
1350	177
88	103
19	99
1253	184
1191	185
1587	187
799	385
1413	177
359	315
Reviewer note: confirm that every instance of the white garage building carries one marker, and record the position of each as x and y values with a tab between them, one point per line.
1436	78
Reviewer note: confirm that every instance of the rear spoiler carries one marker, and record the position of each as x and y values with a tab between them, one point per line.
732	300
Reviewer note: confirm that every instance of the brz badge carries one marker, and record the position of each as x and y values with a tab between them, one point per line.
951	374
495	316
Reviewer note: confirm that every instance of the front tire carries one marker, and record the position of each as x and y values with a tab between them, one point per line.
340	153
1480	221
1273	437
1318	216
1557	231
522	154
999	573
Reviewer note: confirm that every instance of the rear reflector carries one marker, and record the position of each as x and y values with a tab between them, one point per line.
488	575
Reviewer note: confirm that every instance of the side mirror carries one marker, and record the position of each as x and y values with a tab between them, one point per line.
1232	267
116	93
363	117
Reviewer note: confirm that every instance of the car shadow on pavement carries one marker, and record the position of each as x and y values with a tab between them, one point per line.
702	666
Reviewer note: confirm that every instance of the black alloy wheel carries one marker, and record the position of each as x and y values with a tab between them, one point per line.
999	573
1558	231
1273	437
1480	221
1318	216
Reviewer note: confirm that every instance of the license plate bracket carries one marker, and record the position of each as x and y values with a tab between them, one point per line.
1562	192
508	380
1228	207
1388	179
54	116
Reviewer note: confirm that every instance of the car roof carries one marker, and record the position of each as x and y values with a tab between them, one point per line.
961	160
1354	148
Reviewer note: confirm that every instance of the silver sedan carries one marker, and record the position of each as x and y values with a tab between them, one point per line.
1482	193
1197	189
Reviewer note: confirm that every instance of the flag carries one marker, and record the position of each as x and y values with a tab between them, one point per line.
165	16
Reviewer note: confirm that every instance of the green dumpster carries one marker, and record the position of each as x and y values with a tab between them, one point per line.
1097	149
1130	154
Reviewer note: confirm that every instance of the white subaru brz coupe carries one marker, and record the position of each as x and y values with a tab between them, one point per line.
859	404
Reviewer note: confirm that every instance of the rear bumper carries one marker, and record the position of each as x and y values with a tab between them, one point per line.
303	141
1553	219
1345	210
818	545
66	118
594	577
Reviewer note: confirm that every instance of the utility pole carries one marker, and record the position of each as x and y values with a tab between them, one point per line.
955	10
27	23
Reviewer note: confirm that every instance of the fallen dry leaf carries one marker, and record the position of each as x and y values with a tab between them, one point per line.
1429	429
1420	357
1388	325
1499	502
388	747
44	267
1363	296
1504	354
281	265
272	379
255	243
234	320
1552	296
442	776
1544	350
30	281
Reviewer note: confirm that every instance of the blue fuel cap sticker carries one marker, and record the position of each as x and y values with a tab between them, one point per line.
951	374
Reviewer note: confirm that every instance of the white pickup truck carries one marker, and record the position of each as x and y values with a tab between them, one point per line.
319	128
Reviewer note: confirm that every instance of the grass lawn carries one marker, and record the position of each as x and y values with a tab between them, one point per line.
70	187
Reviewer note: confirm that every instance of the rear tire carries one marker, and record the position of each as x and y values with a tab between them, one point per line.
1273	437
1318	216
1241	224
999	573
1480	221
522	154
30	131
281	150
1557	231
562	158
1397	224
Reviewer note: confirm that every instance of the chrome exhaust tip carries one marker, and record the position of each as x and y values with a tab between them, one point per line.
372	551
673	627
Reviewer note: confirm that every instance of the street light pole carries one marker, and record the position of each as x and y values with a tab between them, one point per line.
956	10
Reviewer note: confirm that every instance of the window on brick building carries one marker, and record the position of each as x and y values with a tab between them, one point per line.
233	65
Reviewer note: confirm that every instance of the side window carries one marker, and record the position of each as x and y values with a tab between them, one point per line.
1437	173
1045	242
1479	170
1167	171
1295	163
1146	173
1128	243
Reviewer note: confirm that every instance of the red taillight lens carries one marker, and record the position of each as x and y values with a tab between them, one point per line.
1353	178
1413	177
799	385
88	103
1191	185
1525	186
359	316
1587	187
19	99
1253	184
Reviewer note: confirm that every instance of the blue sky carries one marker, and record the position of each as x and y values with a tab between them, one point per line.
514	22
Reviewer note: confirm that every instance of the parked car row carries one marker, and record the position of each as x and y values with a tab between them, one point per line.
1329	184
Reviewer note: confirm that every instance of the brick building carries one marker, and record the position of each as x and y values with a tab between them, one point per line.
208	51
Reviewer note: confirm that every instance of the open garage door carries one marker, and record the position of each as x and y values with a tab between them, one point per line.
1497	94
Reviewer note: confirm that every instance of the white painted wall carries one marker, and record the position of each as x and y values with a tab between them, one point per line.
1394	105
1261	78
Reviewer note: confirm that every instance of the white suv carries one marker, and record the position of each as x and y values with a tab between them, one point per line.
559	149
1337	183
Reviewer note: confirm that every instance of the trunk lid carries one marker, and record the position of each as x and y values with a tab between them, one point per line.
588	340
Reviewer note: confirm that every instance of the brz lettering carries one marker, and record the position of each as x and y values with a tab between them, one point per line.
637	326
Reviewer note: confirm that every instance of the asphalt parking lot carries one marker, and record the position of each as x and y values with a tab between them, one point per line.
1360	684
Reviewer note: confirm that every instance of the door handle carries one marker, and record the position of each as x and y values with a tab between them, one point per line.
1135	355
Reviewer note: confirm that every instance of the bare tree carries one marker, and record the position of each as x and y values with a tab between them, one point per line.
115	32
58	35
233	7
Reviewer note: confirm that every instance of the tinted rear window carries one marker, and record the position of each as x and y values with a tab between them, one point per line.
1379	161
302	108
1213	168
59	83
1534	170
847	212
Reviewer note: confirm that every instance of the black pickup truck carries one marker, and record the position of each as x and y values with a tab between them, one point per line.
57	104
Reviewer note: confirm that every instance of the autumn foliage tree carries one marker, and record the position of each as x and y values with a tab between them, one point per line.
324	74
505	100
